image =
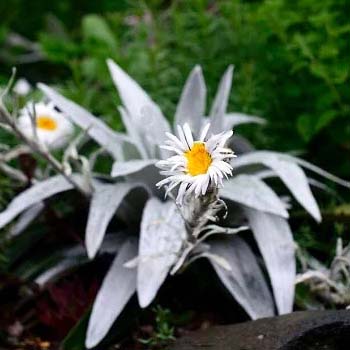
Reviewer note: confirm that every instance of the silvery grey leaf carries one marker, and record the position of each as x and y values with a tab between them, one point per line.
216	259
35	194
254	193
265	174
117	288
319	171
130	166
296	181
258	157
291	175
161	238
26	218
220	103
133	132
105	201
322	186
245	281
96	128
275	241
234	118
191	107
146	115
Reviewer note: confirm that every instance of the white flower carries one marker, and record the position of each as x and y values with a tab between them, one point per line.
53	129
197	165
22	87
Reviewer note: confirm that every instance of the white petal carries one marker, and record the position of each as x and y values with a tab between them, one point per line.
204	132
188	135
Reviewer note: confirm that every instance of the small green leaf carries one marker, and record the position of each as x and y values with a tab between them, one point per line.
319	70
325	119
96	30
75	340
305	126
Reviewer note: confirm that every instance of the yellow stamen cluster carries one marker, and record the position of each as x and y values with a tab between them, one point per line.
198	159
46	123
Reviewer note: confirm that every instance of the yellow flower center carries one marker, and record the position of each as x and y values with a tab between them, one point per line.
198	159
45	122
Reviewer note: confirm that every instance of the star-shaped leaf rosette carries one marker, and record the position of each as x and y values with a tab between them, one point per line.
176	185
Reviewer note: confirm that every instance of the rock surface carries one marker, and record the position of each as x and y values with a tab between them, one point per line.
309	330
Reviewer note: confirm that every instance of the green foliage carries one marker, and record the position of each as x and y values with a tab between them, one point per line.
164	332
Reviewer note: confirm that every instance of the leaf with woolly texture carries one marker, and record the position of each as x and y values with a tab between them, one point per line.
161	239
254	193
245	280
96	129
290	173
145	114
275	241
131	166
26	218
234	118
35	194
105	201
191	107
220	103
117	288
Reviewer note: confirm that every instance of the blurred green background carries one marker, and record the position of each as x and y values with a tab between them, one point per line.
291	60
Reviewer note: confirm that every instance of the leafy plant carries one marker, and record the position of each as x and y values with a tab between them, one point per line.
164	332
163	244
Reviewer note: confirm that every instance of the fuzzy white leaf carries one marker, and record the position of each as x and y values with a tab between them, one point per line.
220	103
254	193
117	288
295	179
35	194
133	132
130	167
275	241
161	238
191	107
105	201
146	116
233	119
26	218
258	157
291	175
319	171
96	128
245	280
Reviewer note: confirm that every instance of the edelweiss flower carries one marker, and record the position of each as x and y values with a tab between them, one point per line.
53	129
197	165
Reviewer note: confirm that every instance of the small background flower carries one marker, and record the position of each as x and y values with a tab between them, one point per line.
52	128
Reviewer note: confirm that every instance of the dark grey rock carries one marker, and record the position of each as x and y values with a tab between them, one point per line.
309	330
